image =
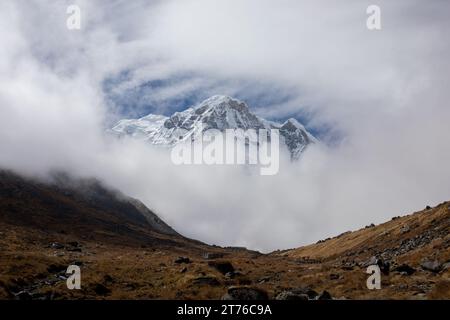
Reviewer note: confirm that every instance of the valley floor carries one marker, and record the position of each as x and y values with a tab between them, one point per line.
417	248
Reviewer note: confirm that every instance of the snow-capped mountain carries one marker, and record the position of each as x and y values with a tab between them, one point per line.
217	112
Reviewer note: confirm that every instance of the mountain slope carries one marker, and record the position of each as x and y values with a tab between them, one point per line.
217	112
390	240
79	206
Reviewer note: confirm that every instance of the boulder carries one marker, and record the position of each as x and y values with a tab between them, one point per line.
405	269
180	260
290	295
433	266
223	267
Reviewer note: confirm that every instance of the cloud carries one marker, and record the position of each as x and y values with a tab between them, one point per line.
382	95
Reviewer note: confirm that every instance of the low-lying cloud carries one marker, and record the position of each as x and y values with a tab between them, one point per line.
382	93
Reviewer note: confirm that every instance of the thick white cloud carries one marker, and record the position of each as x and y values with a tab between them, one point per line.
383	92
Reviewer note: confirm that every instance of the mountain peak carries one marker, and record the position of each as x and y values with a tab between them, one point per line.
220	103
218	112
218	98
293	122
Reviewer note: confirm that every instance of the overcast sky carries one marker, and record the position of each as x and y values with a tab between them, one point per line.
378	99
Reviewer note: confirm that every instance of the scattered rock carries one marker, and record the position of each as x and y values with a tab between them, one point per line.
427	208
57	245
325	295
245	293
180	260
183	270
289	295
433	266
223	267
405	269
372	261
405	229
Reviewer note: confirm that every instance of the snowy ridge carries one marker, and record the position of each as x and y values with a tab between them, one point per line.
217	112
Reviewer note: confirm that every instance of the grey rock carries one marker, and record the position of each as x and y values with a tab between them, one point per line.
433	266
289	295
370	262
57	245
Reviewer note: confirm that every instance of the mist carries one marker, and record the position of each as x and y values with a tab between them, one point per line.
378	99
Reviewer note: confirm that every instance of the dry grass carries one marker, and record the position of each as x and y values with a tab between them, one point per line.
135	272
